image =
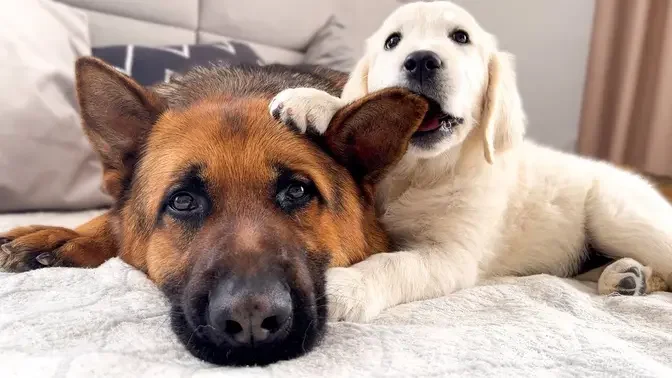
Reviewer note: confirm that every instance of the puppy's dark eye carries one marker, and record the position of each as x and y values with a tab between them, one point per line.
293	194
392	41
460	36
183	202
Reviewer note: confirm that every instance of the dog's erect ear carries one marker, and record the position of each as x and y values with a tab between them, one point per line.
357	85
372	134
502	119
117	115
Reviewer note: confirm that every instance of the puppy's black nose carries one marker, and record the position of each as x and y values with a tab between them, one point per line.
247	311
421	65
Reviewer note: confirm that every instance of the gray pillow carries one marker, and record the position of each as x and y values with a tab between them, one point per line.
45	160
331	47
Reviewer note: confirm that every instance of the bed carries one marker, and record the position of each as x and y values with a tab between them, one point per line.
113	322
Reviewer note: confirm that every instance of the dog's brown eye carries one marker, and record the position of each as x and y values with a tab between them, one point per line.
189	202
460	36
392	41
183	202
293	194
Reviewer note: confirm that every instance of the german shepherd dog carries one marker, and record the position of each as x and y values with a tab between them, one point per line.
234	216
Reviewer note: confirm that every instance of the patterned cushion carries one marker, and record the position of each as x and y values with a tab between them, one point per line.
151	65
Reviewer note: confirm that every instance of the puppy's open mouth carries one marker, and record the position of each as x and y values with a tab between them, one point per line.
437	120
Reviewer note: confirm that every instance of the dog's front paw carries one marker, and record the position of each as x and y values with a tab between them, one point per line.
349	298
29	248
305	109
628	277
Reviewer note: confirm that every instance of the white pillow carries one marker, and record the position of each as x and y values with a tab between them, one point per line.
45	160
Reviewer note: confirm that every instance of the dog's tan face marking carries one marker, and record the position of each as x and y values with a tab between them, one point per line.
247	235
240	153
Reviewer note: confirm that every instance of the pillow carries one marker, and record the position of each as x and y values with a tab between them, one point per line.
329	47
45	159
152	65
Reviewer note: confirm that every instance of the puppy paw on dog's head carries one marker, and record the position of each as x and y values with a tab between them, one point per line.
305	109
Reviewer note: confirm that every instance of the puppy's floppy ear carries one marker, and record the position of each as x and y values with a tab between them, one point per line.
357	85
117	115
372	134
502	119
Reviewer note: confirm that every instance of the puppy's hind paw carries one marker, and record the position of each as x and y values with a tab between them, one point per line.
628	277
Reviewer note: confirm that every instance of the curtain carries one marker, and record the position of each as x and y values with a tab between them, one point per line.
627	106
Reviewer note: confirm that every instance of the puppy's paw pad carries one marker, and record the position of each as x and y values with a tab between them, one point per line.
631	286
304	109
625	277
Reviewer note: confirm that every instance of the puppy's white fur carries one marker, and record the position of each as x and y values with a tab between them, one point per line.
482	202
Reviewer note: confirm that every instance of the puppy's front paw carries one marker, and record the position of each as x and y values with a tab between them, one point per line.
628	277
305	109
349	298
29	248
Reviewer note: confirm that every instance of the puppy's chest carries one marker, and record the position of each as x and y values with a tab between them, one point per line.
420	215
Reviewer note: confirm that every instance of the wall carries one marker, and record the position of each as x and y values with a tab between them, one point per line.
550	39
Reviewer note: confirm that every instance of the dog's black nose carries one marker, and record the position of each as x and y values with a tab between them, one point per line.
246	311
422	64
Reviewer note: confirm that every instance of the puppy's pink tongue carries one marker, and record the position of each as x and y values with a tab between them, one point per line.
429	125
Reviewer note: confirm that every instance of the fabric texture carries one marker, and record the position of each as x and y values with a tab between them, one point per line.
113	322
267	54
330	47
152	65
45	159
627	117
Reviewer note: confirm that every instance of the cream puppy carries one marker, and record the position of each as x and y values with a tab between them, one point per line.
472	198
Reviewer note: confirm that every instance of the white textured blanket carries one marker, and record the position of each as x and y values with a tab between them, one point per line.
112	322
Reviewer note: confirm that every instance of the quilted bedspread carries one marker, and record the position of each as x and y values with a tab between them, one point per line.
112	322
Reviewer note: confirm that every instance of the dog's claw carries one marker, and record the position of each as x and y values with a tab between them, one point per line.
4	247
275	111
46	258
